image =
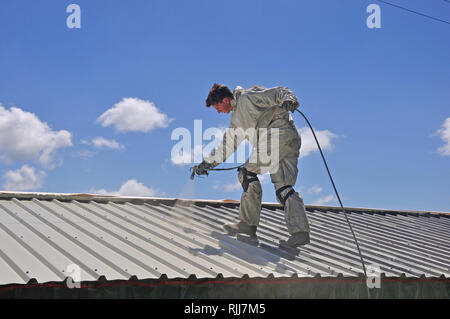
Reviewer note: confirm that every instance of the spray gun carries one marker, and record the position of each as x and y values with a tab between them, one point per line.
197	169
193	172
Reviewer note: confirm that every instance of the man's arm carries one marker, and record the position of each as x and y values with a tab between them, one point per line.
264	98
232	138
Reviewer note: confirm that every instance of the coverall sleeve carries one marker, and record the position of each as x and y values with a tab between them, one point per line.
232	138
270	97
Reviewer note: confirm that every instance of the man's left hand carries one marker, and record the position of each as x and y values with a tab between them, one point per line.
290	105
202	168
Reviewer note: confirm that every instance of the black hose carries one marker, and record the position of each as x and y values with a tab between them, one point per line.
340	202
226	169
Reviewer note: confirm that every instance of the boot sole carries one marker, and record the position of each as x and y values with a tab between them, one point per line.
230	230
284	244
290	250
234	232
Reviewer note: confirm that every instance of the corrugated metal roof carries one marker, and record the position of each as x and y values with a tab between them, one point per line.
42	234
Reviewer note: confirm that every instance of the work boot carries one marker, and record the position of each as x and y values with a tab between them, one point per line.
296	239
240	228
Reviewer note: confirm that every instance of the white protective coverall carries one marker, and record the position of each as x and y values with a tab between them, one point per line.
259	107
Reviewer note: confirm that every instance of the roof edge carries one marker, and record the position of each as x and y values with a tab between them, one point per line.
118	199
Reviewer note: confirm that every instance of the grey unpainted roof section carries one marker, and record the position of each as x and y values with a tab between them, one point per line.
118	237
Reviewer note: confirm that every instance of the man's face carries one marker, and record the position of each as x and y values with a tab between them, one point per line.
224	106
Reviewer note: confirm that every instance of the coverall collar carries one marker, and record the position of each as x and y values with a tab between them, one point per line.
236	93
233	104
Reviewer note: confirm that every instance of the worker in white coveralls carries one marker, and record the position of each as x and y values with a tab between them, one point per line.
261	116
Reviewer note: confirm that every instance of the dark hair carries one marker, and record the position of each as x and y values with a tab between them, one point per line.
217	93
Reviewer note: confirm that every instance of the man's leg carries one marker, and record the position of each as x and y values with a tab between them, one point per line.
250	207
294	209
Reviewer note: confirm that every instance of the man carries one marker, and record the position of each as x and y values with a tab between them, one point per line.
267	111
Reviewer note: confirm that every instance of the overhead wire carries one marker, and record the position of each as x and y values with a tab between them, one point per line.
416	12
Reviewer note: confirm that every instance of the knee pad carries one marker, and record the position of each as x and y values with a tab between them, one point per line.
245	178
282	199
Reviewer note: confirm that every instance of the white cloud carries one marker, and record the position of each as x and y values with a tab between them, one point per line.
314	190
23	137
229	188
232	187
103	142
264	178
325	200
83	154
444	133
183	157
134	115
309	145
23	179
130	188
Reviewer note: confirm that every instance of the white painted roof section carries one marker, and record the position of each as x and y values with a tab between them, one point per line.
118	237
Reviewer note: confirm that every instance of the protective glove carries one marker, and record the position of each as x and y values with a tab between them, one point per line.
290	105
201	169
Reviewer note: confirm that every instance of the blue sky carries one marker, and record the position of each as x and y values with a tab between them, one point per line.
93	109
